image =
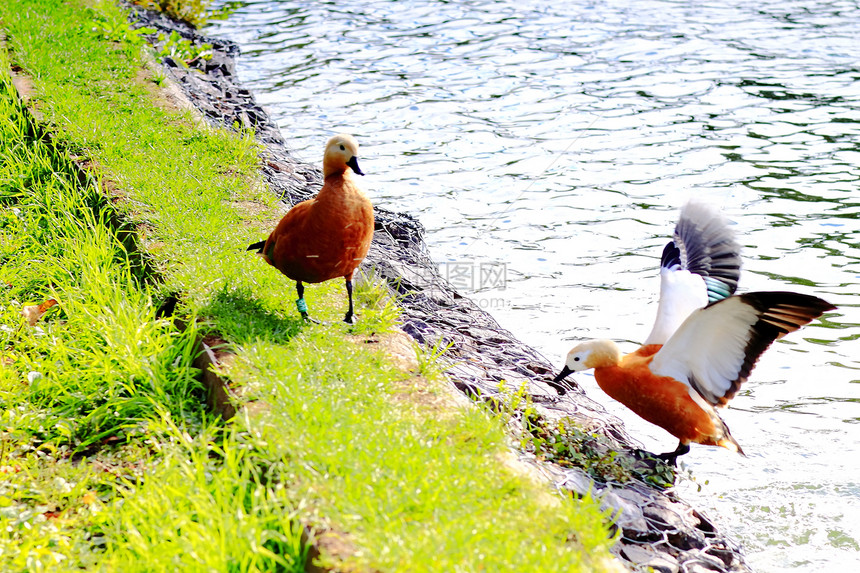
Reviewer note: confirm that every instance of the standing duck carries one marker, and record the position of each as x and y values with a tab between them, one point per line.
328	236
705	340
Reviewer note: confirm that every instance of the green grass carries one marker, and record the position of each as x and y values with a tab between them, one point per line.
208	504
564	443
102	362
398	479
194	12
110	460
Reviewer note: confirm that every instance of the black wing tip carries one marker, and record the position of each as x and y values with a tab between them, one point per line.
671	256
779	313
801	305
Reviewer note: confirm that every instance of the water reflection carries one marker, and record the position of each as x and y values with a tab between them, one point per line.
560	139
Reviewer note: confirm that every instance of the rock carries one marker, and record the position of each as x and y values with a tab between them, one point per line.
646	558
625	513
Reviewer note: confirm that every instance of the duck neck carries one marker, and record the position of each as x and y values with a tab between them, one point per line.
334	166
606	354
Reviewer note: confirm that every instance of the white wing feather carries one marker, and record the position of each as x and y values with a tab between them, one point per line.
681	293
700	265
708	350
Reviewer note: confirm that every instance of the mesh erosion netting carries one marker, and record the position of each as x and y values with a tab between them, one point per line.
658	530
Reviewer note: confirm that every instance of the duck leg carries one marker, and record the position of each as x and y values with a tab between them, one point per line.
672	457
301	304
349	318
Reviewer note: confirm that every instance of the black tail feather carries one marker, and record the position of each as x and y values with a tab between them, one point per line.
258	246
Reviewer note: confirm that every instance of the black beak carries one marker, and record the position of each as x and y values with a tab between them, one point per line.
353	163
565	372
561	388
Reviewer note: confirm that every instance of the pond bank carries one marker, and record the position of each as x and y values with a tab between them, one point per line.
658	529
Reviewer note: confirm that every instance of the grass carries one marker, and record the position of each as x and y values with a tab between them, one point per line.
209	503
397	483
379	311
564	443
194	12
431	361
109	457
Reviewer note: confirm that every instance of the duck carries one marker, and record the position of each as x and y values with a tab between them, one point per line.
705	340
327	236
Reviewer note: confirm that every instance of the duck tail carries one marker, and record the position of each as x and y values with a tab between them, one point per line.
258	246
725	439
729	443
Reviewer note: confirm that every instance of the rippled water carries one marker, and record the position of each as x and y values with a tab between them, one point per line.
559	139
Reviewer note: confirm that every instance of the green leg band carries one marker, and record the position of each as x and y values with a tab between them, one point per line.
302	306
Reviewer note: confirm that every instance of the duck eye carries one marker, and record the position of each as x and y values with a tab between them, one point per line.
576	358
342	148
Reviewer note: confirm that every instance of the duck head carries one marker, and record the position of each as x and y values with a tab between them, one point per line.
591	354
341	152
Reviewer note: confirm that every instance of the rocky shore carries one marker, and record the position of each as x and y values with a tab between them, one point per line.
658	530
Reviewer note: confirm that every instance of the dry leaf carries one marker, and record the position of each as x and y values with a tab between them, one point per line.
34	312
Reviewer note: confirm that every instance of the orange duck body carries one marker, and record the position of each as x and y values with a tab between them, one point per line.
328	236
661	400
325	237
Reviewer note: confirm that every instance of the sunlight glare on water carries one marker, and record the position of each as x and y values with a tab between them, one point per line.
560	139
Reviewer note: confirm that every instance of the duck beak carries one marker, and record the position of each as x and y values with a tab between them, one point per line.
565	372
353	164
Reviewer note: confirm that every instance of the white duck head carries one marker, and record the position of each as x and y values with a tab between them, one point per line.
341	152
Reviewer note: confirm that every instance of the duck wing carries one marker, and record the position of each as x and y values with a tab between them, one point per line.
701	265
716	348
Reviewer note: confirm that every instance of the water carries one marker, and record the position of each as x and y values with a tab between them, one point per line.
559	140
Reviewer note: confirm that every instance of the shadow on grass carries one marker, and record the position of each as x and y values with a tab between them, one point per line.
241	317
